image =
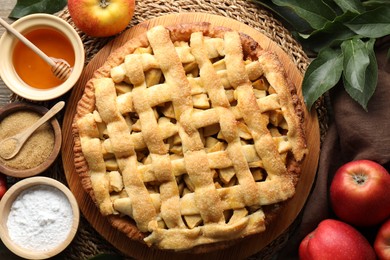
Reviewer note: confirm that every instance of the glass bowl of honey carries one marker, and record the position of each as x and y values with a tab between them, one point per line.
28	75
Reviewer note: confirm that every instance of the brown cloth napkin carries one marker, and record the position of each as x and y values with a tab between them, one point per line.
353	134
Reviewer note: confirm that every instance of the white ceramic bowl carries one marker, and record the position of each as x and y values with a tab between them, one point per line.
7	45
5	208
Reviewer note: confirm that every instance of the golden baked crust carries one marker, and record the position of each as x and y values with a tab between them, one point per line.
186	134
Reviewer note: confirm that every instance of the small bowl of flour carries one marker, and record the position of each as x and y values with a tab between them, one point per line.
39	217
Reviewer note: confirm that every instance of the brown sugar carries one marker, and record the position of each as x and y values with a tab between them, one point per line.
36	149
7	147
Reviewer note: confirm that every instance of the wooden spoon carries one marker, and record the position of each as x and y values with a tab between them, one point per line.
60	68
10	146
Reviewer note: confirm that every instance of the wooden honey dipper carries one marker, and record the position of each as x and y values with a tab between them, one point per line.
60	68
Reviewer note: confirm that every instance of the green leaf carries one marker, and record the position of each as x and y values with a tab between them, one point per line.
354	6
370	45
333	33
323	73
372	24
316	13
371	79
291	18
373	4
356	60
26	7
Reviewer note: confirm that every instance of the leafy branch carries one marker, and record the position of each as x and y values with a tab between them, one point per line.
26	7
341	34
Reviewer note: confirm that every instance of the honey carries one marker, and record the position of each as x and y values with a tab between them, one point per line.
31	68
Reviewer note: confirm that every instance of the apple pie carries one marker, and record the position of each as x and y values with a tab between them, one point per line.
189	135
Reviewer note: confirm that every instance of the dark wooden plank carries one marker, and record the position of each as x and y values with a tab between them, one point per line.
5	9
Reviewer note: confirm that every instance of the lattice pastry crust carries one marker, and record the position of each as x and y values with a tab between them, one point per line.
186	134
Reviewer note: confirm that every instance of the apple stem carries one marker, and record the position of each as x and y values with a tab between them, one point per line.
104	3
359	178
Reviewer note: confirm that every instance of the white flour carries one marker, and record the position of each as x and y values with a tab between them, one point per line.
40	218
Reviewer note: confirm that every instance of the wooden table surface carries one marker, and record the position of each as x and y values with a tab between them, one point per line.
5	9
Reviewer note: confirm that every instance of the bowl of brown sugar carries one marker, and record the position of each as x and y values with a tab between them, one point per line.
40	150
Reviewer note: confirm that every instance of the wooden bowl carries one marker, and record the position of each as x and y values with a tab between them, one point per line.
5	208
25	106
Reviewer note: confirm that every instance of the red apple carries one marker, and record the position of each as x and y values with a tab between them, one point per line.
335	240
101	18
382	241
3	184
359	193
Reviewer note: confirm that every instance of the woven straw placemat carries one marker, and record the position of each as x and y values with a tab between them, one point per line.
88	243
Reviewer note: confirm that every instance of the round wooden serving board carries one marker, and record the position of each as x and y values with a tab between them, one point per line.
247	246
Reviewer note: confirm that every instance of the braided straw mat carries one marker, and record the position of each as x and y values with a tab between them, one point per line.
88	243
